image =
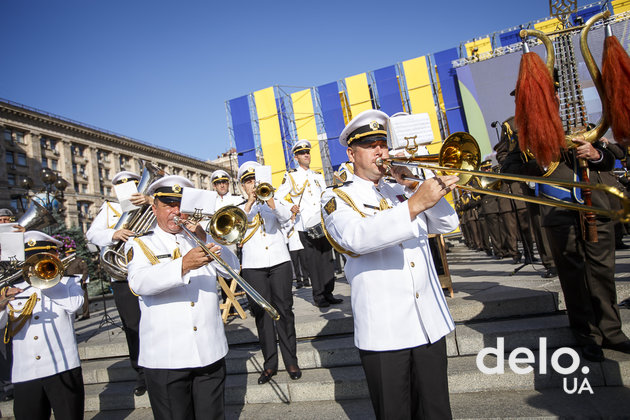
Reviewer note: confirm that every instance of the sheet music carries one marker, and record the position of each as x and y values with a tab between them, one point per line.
410	126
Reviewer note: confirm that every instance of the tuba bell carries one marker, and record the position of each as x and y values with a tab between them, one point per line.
36	217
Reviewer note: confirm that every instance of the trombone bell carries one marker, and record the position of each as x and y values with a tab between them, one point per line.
228	225
43	270
264	191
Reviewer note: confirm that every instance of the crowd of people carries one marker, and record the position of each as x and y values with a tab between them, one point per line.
377	218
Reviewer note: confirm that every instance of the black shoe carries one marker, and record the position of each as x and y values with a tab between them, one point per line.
322	304
295	373
7	396
333	300
551	273
593	352
139	390
623	347
299	284
307	282
266	376
516	260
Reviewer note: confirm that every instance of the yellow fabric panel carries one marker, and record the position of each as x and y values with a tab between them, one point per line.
304	115
270	138
358	94
620	6
421	92
347	114
483	45
548	25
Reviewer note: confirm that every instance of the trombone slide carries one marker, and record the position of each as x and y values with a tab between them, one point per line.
233	274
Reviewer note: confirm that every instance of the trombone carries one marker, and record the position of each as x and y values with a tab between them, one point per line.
42	271
264	191
460	155
227	226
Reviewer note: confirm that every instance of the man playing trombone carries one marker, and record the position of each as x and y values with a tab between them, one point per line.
182	340
400	314
40	325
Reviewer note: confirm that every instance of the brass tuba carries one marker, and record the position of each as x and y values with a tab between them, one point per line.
36	217
113	260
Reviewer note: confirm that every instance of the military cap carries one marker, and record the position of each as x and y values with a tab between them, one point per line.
301	145
36	242
6	212
370	125
168	189
247	169
125	176
219	175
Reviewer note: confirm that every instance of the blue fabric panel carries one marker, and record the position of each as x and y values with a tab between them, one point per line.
388	90
586	14
285	132
450	89
510	38
242	126
333	121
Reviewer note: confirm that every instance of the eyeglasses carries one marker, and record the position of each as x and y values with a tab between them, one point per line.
303	152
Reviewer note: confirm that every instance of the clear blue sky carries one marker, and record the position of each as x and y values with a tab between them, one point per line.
161	71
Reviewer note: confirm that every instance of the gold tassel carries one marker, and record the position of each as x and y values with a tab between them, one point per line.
16	323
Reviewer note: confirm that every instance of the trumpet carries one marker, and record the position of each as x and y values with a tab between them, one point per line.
42	270
264	191
228	226
460	155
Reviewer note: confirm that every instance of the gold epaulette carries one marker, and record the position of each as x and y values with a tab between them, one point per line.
145	249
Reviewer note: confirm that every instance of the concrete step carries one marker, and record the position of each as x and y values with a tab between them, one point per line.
348	383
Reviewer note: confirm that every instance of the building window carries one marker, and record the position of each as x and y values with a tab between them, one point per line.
53	164
10	160
84	188
21	159
15	204
76	187
7	135
11	179
74	168
102	190
19	136
44	162
108	191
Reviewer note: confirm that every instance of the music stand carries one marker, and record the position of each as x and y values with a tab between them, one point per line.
105	319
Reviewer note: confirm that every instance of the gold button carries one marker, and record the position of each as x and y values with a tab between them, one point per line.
36	316
266	247
417	295
37	357
35	338
194	328
412	264
38	299
192	303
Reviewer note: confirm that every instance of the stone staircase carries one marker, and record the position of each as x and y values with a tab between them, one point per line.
488	305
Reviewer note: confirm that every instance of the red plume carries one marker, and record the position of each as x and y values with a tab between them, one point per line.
616	80
537	116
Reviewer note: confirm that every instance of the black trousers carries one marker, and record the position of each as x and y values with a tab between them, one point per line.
129	311
62	392
298	259
274	284
410	383
320	267
587	276
186	394
495	231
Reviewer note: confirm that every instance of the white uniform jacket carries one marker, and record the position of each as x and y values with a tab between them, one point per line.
46	345
397	300
181	325
291	236
293	183
227	200
102	228
266	245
